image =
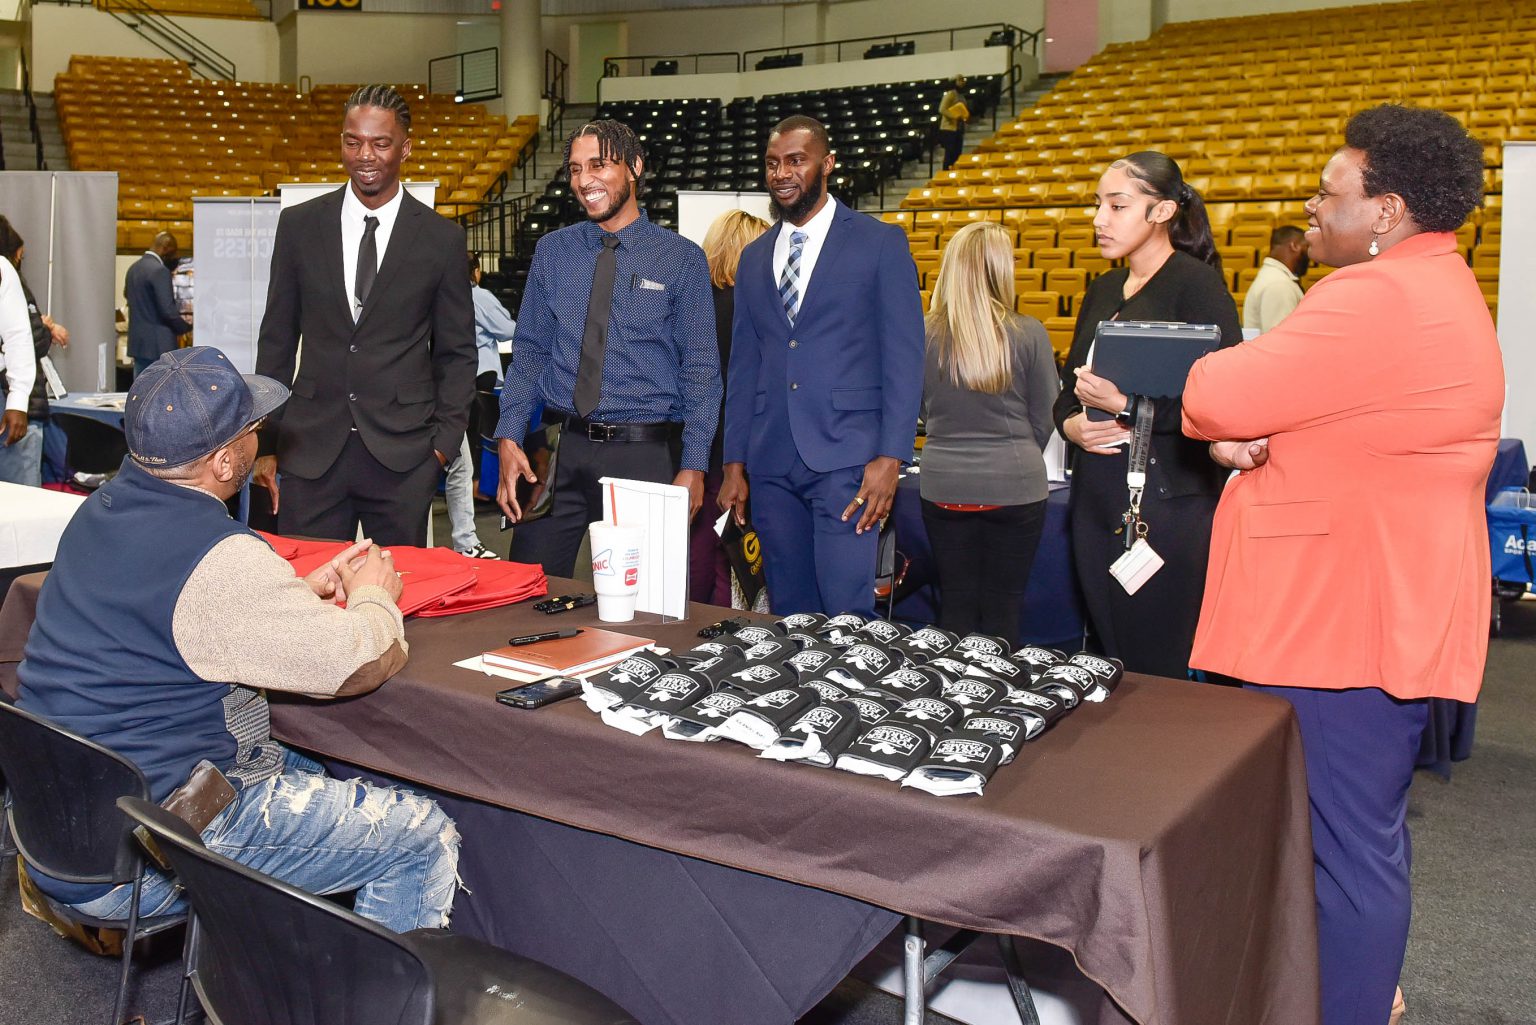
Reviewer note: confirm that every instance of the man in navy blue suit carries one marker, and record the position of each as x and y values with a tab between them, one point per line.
154	322
825	381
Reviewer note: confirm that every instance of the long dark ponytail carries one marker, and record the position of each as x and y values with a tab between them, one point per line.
1190	228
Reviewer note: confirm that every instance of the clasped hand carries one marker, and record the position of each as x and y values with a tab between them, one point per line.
359	565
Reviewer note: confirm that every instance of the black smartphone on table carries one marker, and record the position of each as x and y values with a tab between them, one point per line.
544	691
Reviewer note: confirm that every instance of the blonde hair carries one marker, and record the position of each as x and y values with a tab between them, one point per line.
971	303
724	241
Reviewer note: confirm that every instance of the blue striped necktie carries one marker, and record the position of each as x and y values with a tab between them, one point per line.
789	281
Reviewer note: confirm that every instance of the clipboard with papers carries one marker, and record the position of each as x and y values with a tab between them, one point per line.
1151	358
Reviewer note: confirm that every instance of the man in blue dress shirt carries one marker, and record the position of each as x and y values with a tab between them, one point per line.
616	338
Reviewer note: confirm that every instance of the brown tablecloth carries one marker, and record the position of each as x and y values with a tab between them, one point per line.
1161	837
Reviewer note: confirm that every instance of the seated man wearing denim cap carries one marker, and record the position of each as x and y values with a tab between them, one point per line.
163	619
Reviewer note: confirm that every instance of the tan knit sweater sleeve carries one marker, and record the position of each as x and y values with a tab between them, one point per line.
244	617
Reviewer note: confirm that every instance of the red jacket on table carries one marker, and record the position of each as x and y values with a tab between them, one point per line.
1357	556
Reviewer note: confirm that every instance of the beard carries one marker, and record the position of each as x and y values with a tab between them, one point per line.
615	204
243	468
810	195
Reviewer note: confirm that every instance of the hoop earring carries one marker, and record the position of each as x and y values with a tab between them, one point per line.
1375	249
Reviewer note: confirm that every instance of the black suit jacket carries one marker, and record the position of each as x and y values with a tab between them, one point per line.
403	374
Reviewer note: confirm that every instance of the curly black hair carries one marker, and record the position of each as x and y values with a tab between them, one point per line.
1423	155
616	141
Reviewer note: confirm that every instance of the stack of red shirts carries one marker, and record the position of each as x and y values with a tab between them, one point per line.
438	581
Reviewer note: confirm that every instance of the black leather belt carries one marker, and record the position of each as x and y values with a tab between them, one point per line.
594	431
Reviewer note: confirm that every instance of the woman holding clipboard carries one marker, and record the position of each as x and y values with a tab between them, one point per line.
1152	219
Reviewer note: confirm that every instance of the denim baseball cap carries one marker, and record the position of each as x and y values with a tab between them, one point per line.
190	402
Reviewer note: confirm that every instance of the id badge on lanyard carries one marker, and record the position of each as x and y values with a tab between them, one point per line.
1140	561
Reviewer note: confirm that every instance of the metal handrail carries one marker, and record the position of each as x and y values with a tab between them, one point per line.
32	125
496	225
617	67
555	70
171	39
462	93
1020	37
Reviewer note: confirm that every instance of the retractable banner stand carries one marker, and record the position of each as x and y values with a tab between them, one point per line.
1517	300
232	240
69	222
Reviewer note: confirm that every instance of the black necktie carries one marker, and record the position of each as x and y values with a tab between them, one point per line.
367	261
594	337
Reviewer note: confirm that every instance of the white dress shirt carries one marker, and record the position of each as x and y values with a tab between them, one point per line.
815	231
17	357
352	213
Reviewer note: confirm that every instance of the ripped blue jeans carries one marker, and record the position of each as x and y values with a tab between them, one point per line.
395	848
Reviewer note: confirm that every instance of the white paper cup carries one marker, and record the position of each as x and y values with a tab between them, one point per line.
615	569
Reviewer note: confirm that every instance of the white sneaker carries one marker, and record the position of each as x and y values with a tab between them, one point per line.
480	552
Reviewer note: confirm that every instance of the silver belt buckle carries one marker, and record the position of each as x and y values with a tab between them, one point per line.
602	432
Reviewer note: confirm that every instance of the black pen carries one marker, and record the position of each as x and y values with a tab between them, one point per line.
551	635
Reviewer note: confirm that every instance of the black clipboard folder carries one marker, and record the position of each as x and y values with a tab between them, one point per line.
1148	357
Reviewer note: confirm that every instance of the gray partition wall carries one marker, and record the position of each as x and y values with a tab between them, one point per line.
69	222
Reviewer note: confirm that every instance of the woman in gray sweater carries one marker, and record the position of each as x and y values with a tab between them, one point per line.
988	387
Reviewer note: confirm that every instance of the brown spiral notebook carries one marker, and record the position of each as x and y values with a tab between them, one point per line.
588	651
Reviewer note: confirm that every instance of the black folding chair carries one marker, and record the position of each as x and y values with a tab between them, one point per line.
95	448
267	953
62	819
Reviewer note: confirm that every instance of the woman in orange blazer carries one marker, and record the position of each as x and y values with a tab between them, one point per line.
1349	569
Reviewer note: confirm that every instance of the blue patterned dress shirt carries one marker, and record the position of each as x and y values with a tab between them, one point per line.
661	363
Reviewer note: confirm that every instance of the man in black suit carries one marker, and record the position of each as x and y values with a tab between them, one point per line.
154	322
373	280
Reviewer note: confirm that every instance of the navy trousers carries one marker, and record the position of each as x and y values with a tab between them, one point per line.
1360	747
814	561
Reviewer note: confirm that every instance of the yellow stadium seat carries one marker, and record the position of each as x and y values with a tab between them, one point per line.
1027	193
1037	237
1237	186
922	198
1238	256
1486	255
1059	330
1041	305
1092	261
1314	275
1066	280
1077	238
951	196
1254	236
928	221
960	218
1054	258
1063	193
1027	279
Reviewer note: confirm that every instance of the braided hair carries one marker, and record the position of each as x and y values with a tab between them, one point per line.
616	141
385	98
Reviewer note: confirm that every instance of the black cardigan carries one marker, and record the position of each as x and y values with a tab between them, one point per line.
1184	289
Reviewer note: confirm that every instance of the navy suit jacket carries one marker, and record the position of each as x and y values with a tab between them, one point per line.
154	322
844	384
